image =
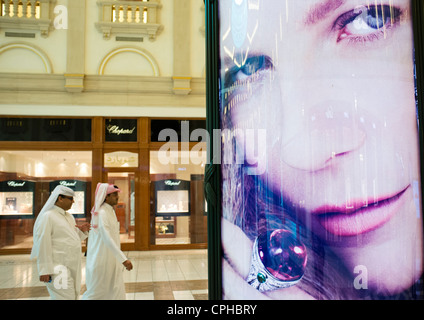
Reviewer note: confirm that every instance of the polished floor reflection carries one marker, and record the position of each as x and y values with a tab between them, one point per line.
157	275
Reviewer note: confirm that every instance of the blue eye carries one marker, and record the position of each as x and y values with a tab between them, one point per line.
377	17
253	65
363	22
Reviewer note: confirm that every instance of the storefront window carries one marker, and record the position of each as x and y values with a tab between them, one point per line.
26	180
177	198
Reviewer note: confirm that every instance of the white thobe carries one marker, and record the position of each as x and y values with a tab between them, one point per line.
104	268
60	253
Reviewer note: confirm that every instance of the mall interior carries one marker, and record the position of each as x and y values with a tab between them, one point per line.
87	89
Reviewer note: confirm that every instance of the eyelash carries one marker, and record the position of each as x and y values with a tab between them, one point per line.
251	71
390	14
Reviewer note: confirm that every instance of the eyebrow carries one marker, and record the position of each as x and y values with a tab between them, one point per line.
321	10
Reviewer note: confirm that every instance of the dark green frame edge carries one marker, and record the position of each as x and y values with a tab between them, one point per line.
213	168
417	7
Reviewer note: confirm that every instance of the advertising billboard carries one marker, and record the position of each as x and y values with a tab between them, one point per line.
320	167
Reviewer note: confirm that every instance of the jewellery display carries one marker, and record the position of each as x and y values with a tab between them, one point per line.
277	262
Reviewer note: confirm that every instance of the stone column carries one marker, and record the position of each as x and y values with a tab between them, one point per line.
75	64
182	43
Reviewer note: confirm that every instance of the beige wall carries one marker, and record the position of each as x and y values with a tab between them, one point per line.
76	71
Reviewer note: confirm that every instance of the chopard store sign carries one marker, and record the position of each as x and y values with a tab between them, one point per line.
117	130
172	183
15	184
75	185
68	184
121	130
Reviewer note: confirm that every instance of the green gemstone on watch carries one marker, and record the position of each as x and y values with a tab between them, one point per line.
261	278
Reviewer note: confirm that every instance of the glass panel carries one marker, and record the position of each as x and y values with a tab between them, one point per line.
37	129
26	180
321	182
16	199
177	199
183	129
125	209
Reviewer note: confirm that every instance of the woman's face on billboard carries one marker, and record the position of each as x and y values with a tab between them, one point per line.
331	82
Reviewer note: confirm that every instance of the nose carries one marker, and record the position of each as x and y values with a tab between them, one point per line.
326	132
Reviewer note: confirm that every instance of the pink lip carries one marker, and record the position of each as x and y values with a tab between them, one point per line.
359	217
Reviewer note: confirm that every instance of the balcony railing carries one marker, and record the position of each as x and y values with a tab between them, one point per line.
129	17
26	15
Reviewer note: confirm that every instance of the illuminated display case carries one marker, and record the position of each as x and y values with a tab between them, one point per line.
172	198
80	188
166	227
17	199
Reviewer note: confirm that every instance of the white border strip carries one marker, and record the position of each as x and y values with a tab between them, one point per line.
102	111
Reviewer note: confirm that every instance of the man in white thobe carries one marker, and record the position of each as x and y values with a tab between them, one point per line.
105	261
57	246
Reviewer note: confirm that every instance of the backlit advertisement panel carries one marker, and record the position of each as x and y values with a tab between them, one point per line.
320	166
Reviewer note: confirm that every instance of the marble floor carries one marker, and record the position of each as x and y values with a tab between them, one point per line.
157	275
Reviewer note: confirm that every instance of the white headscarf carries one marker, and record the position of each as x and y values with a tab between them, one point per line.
99	198
59	190
102	190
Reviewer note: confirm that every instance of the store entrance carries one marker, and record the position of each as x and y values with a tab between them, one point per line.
125	209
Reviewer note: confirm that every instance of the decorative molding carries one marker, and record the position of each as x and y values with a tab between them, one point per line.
34	88
44	58
129	18
28	21
74	83
182	85
146	55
